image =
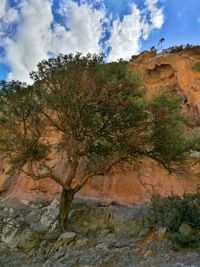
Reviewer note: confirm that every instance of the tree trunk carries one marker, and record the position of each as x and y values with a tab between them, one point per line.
65	206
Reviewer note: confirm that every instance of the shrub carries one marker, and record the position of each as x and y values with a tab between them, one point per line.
179	240
172	211
176	48
196	66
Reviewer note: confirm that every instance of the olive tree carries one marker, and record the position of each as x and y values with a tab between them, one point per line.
98	118
96	112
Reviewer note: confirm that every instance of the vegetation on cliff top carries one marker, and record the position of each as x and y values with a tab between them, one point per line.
100	119
196	66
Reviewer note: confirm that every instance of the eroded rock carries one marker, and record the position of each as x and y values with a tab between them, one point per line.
108	240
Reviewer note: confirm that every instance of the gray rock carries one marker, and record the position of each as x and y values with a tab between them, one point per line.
30	240
25	202
50	215
104	236
66	238
83	243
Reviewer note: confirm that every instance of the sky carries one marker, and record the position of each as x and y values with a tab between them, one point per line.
33	30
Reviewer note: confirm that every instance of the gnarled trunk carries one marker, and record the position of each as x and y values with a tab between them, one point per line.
65	206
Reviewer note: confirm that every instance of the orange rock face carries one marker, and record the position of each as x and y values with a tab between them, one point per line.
136	184
128	185
171	70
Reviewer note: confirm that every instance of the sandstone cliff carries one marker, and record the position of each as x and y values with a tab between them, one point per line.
168	70
173	70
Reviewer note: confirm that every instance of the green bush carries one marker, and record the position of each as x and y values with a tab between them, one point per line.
196	66
172	211
176	48
179	240
179	48
168	129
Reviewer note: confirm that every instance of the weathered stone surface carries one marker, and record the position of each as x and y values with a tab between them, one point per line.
106	243
50	215
66	238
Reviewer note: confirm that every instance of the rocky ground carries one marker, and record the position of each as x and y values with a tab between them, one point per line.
100	235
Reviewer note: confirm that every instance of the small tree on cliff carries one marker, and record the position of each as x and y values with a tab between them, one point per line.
95	112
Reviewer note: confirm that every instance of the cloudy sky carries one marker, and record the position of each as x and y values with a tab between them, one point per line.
31	30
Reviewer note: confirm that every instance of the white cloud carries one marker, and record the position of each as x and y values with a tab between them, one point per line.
126	35
35	37
29	32
85	29
156	14
10	16
2	8
32	40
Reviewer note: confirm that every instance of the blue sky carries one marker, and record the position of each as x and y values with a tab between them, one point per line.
31	30
181	26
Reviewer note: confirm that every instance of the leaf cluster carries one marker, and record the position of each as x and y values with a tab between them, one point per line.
168	128
20	124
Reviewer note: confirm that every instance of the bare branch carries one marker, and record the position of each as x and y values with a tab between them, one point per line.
99	172
35	175
82	183
52	121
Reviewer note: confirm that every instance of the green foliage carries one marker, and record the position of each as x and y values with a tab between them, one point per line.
168	129
180	240
172	211
179	48
196	66
29	151
118	71
21	126
98	111
100	105
176	48
177	214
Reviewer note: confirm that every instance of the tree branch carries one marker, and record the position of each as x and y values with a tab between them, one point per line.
52	121
38	176
82	183
99	173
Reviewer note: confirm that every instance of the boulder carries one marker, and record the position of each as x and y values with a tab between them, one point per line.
50	215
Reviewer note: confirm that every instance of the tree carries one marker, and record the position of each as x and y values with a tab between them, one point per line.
98	117
97	111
